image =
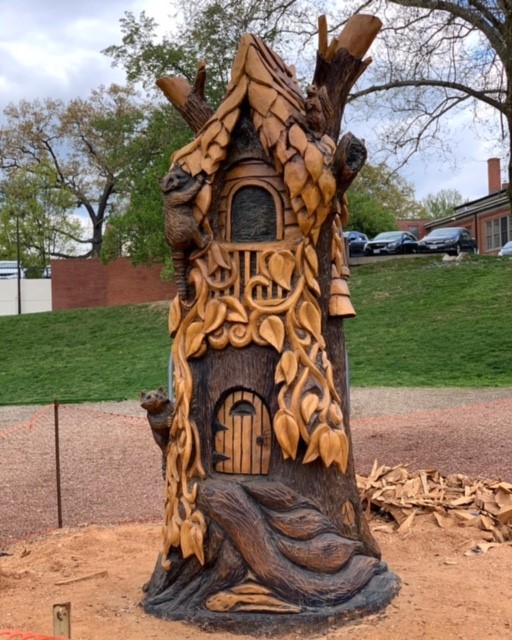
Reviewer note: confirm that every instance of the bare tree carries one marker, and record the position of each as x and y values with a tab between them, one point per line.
438	57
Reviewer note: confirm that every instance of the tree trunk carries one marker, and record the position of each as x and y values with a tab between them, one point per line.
263	518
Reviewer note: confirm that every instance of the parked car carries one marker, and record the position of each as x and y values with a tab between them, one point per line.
506	249
451	240
9	269
356	242
391	242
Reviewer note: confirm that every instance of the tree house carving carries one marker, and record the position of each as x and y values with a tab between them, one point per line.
262	517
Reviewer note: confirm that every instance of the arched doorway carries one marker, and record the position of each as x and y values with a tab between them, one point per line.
243	434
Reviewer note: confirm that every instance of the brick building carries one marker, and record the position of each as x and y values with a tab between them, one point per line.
488	219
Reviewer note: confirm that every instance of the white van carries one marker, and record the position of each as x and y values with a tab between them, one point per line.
9	269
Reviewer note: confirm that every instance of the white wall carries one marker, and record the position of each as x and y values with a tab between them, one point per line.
36	295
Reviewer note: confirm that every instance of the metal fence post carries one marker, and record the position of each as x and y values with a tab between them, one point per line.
57	461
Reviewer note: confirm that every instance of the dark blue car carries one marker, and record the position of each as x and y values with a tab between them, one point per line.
451	240
356	242
391	242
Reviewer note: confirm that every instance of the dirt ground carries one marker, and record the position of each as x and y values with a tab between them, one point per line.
445	593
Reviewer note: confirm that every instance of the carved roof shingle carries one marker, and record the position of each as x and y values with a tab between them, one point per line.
276	102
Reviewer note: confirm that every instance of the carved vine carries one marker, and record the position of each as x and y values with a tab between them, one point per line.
309	406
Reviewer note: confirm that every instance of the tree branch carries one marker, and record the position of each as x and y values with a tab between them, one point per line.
397	84
492	32
341	65
190	103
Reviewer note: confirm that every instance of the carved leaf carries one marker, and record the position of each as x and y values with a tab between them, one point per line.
308	406
255	68
281	109
236	311
209	133
194	339
281	266
305	221
342	457
233	100
330	447
312	451
192	162
335	414
231	119
311	196
272	129
287	368
223	137
173	533
314	162
214	315
295	177
237	69
298	139
220	255
283	153
310	319
329	376
287	433
174	315
311	280
312	257
327	185
192	540
261	97
203	198
272	330
216	153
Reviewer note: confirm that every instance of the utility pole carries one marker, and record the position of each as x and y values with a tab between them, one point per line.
18	261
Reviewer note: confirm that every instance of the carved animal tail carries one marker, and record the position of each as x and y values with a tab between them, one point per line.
178	260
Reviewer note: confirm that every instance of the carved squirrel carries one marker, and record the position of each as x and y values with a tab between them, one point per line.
181	230
159	410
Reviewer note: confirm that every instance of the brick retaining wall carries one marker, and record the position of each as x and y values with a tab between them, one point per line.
80	283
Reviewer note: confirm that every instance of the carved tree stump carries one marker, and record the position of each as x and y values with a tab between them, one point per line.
262	520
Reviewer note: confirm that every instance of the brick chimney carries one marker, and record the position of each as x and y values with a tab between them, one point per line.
494	175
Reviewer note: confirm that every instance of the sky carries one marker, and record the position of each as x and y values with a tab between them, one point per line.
52	48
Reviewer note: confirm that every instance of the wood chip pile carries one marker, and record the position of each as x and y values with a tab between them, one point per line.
453	500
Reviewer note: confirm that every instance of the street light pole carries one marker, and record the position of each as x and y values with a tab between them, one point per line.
18	261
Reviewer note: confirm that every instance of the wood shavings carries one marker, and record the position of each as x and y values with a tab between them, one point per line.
454	500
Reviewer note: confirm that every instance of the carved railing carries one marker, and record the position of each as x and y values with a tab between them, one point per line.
232	265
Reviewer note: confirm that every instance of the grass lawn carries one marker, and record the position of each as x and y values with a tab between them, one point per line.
420	323
85	354
423	322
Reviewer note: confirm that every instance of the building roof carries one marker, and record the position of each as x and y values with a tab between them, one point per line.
490	202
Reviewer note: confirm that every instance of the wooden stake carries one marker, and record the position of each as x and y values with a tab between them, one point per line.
62	620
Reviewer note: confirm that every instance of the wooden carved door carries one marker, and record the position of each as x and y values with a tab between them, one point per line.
243	434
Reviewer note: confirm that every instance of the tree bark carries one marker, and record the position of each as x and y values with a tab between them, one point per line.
290	538
191	104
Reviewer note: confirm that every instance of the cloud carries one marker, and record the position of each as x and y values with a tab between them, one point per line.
53	49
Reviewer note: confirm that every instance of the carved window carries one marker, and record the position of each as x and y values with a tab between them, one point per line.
243	434
254	214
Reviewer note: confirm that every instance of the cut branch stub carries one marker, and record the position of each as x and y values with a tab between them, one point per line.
358	34
340	66
192	106
349	159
